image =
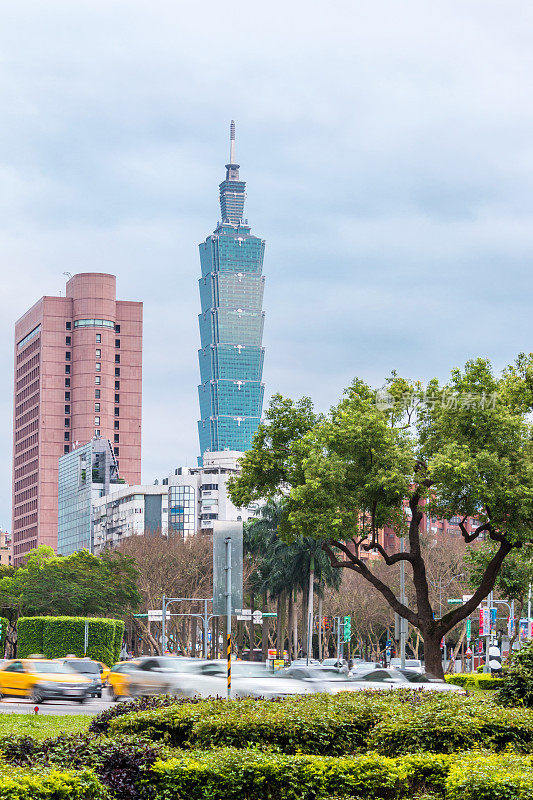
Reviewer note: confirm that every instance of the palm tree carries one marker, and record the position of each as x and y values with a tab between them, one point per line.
283	569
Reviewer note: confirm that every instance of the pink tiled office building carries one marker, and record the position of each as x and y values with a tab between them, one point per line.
78	373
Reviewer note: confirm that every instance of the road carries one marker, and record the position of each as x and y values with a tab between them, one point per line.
14	705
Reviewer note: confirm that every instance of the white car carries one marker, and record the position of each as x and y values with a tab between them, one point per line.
413	664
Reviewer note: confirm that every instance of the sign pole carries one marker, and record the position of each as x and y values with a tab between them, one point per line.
85	637
228	609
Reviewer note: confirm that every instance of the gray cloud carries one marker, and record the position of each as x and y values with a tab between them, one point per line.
387	152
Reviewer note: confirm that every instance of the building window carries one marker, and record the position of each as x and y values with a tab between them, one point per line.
67	409
98	354
98	338
67	436
117	385
97	407
67	355
117	358
67	381
117	398
67	422
116	451
97	433
67	396
65	449
117	342
117	424
68	326
67	369
117	328
98	366
97	394
117	372
117	411
117	438
67	340
97	380
97	420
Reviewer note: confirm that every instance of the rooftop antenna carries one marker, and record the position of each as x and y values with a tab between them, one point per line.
68	274
232	142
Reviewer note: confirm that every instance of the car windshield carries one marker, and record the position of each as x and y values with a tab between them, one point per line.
54	667
84	667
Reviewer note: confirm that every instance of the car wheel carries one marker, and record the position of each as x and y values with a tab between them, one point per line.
114	697
82	700
36	697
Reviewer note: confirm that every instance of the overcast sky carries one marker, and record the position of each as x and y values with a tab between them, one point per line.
388	153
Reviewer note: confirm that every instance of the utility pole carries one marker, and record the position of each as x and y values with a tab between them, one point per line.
228	609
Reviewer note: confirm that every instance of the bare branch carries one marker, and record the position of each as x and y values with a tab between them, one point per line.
389	560
359	566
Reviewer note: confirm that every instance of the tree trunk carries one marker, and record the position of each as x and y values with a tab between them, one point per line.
11	640
311	609
305	597
264	633
240	637
252	632
295	624
290	621
432	655
320	628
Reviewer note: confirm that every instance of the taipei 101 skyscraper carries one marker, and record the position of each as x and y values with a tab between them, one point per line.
231	323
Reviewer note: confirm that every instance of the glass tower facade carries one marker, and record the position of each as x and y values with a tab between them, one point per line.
231	323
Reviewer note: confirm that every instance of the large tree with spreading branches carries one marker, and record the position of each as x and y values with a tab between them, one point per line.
382	459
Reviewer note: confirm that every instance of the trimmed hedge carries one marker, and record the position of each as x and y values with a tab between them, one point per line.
57	637
30	635
474	681
19	784
233	774
390	723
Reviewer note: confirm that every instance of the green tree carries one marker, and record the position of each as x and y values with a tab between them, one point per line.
77	585
462	449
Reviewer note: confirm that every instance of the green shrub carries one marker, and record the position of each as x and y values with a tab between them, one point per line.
30	636
474	681
517	682
332	724
490	778
234	774
117	642
19	784
448	726
391	723
58	636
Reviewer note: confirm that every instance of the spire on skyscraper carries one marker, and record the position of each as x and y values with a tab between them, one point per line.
232	142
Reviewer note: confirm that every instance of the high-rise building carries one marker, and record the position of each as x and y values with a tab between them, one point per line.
231	323
78	373
86	473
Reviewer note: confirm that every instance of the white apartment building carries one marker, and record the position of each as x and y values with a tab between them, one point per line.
128	511
183	504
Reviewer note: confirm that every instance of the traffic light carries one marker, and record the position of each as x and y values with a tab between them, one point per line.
347	629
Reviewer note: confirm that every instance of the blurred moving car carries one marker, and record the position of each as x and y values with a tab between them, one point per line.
336	663
92	671
413	664
387	679
118	678
42	679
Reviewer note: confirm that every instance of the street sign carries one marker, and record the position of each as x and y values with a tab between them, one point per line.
468	629
258	617
155	615
467	597
244	613
484	621
455	601
270	613
221	531
468	652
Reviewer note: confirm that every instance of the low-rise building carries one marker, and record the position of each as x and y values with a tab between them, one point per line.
6	549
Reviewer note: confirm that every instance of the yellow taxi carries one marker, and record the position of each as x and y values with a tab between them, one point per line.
118	678
104	672
42	679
